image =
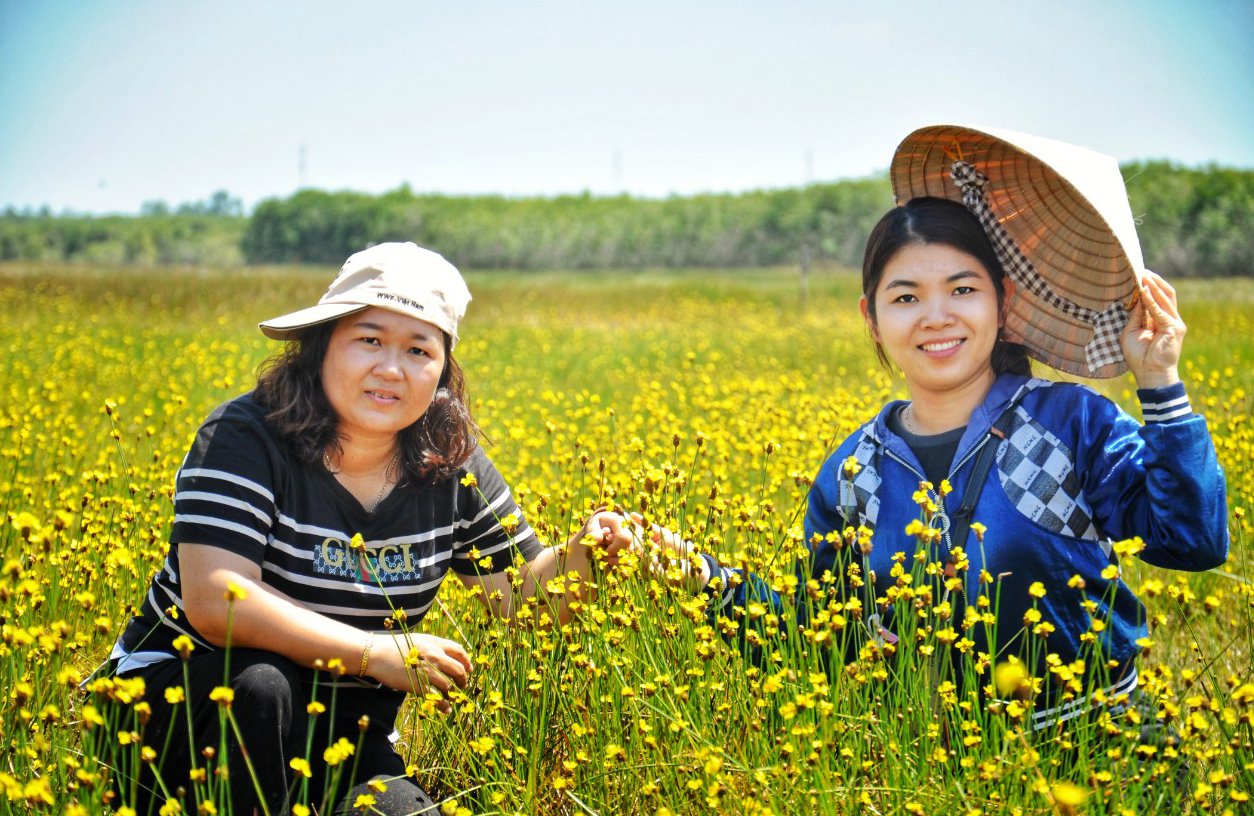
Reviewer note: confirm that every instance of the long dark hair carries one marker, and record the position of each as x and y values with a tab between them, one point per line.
948	223
289	387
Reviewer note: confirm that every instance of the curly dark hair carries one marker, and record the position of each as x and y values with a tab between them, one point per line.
289	387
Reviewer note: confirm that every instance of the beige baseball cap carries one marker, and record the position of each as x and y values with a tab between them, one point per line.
399	277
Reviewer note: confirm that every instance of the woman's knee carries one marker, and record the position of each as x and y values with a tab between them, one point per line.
266	685
391	796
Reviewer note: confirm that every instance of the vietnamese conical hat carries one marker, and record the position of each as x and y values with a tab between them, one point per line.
1065	207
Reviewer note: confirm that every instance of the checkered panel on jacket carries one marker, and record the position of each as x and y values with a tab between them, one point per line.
1037	471
858	497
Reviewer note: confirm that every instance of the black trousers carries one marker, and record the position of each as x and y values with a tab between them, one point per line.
269	708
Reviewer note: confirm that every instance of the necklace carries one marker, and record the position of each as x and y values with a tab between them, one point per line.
387	476
907	419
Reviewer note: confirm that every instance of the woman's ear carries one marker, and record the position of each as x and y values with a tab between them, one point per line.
1008	292
864	306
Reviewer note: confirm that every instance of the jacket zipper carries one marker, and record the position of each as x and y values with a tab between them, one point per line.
953	470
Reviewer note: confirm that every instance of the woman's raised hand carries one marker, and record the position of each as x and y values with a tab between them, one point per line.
415	663
1154	335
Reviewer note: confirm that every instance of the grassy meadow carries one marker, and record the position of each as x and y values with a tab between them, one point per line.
707	401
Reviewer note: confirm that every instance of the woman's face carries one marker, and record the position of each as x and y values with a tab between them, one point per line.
381	372
937	317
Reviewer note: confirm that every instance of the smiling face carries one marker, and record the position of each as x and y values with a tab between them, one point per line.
936	315
381	372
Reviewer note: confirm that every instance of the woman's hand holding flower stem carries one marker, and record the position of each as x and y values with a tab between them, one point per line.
670	556
415	663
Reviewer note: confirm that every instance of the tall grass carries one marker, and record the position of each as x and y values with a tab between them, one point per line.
705	401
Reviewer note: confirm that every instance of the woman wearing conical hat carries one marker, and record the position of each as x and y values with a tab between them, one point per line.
1005	247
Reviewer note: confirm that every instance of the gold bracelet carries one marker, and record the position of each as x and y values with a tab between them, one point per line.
365	654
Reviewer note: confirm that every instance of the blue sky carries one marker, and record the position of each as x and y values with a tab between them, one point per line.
105	105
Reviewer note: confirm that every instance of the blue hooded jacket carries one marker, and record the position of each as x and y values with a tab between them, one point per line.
1073	474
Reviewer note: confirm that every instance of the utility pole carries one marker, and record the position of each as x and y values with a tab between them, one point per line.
803	281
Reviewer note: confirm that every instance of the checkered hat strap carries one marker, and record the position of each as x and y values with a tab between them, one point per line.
1108	324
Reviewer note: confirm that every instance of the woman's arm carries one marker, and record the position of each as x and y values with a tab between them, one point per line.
264	618
733	588
603	530
1160	481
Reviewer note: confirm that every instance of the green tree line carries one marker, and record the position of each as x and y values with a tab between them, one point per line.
205	233
1192	222
576	232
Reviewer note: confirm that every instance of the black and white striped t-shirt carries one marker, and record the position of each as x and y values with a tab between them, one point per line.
241	489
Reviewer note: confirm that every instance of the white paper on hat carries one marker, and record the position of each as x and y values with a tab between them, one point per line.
1094	175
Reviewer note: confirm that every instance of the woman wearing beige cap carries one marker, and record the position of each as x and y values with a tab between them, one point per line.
1006	246
334	497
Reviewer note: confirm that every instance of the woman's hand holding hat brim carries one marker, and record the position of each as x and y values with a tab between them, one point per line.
1154	336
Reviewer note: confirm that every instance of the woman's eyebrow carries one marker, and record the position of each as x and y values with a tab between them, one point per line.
368	326
903	283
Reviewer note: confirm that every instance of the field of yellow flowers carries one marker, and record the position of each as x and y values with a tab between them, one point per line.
705	401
